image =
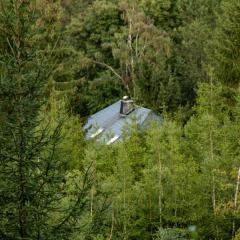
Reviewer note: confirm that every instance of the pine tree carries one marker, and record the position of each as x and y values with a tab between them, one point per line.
64	78
37	198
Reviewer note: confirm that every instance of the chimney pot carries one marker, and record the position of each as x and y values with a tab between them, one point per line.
127	106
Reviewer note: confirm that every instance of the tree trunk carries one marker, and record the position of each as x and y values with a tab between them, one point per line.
235	202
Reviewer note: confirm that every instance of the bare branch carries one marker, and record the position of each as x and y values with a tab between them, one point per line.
110	68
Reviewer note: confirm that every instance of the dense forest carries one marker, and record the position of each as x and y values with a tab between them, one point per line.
63	60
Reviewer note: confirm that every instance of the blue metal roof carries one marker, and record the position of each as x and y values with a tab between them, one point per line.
108	123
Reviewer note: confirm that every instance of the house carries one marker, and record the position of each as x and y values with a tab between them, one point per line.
107	125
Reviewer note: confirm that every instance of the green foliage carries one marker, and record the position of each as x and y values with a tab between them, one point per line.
39	199
62	59
171	234
151	48
91	34
171	177
91	96
224	48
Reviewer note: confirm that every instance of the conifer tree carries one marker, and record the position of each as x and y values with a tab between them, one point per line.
64	77
37	199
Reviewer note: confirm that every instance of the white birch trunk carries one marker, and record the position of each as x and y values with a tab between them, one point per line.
235	201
